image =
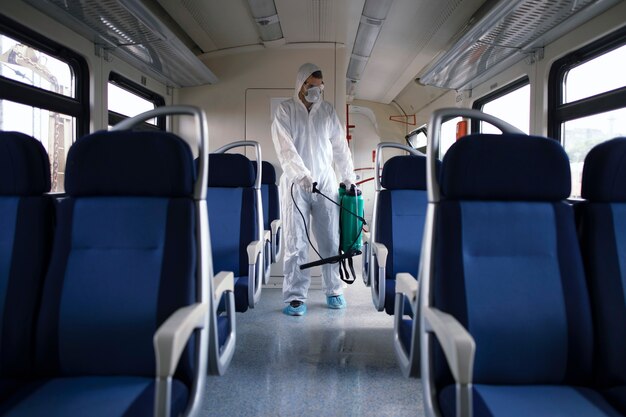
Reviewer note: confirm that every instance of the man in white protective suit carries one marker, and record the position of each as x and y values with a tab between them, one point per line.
308	138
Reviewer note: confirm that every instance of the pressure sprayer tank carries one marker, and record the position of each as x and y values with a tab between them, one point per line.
352	201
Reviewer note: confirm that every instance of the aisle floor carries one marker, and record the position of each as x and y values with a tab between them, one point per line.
326	363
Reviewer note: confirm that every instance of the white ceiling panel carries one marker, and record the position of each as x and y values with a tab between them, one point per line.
305	21
408	41
299	20
214	25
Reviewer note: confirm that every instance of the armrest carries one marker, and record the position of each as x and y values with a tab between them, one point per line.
366	237
275	226
406	284
457	344
172	336
223	281
380	251
254	249
267	236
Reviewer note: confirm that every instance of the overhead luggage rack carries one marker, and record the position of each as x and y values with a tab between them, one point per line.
133	33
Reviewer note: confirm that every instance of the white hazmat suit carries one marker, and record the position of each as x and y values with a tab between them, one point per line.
307	144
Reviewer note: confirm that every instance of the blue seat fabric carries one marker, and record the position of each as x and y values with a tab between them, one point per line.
509	269
91	396
123	260
26	221
401	213
269	193
603	242
232	218
269	196
536	401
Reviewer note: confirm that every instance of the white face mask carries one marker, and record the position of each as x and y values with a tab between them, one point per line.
313	94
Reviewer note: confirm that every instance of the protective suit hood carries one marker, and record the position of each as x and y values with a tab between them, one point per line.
304	72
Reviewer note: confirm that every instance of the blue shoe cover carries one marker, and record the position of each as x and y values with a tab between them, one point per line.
295	311
336	301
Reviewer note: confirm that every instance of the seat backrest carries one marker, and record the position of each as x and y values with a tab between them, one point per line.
603	241
400	215
232	211
26	218
269	193
507	263
124	256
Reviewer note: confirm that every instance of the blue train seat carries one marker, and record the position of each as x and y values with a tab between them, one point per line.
26	218
399	225
603	240
233	225
271	209
121	330
506	298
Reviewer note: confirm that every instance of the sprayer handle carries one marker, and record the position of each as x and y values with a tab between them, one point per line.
315	189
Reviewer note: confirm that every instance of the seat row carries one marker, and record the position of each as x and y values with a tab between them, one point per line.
108	298
515	312
393	244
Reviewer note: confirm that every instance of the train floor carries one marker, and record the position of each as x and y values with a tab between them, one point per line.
326	363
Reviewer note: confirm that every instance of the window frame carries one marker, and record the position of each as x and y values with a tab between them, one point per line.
140	91
422	129
560	112
494	95
28	95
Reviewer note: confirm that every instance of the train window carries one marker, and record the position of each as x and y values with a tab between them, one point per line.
596	76
587	99
128	99
44	91
30	66
511	104
448	135
417	138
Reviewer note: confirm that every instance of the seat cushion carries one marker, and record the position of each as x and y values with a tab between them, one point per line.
25	240
523	298
390	295
24	165
536	401
92	397
495	167
8	386
156	164
241	294
617	397
603	242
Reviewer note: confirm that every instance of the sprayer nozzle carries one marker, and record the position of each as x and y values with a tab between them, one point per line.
315	189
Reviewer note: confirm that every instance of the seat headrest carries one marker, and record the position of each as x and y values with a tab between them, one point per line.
24	165
405	172
156	164
268	174
230	170
506	167
604	172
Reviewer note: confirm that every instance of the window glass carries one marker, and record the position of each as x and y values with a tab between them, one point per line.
580	135
27	65
56	110
127	103
587	100
448	135
598	75
417	138
513	108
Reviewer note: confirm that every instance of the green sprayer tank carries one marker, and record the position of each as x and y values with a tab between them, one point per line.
351	202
